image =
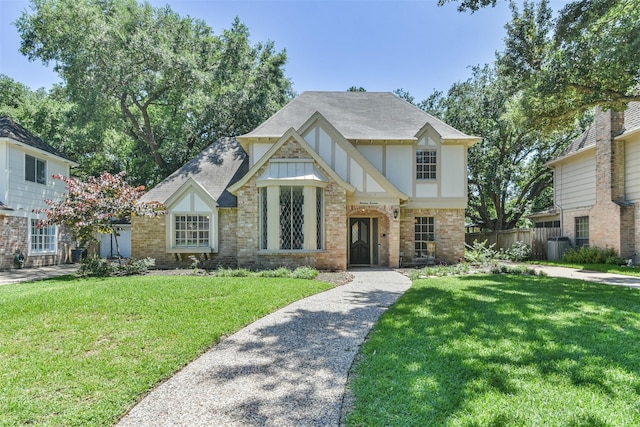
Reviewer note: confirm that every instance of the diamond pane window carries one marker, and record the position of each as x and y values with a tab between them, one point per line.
319	238
263	218
291	218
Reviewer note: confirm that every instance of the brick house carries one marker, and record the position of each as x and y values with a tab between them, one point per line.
27	164
334	179
597	183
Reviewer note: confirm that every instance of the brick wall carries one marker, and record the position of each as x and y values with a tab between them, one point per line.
148	240
333	257
449	229
14	236
611	221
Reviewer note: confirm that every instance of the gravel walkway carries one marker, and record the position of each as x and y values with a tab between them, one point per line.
287	369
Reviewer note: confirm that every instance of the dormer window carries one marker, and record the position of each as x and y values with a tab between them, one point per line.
426	164
35	169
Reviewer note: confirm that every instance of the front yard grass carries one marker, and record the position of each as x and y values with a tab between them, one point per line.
80	352
498	350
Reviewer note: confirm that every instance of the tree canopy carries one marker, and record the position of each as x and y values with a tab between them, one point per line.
97	206
588	56
507	173
148	86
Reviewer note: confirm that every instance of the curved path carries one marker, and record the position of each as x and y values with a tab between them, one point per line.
287	369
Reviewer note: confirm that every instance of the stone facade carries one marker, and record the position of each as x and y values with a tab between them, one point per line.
449	231
14	237
334	254
149	235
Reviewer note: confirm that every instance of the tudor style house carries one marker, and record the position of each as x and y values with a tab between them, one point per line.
332	180
27	165
597	184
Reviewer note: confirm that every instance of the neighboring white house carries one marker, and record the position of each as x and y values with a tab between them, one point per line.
334	179
597	183
25	183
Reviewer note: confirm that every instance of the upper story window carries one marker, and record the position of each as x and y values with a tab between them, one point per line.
426	162
35	169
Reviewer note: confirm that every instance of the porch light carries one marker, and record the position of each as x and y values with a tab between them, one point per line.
395	213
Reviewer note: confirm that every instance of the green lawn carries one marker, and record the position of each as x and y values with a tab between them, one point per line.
79	352
500	350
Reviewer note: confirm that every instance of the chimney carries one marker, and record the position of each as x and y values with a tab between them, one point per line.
609	156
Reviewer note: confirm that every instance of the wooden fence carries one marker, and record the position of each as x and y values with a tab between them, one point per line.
536	238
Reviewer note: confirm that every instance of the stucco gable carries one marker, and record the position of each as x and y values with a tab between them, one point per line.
289	135
317	119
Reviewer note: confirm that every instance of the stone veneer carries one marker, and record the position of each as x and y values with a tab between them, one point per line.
449	230
332	257
148	239
14	237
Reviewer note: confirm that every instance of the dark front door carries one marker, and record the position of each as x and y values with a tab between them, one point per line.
360	242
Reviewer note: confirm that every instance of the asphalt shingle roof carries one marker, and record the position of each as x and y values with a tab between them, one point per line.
11	129
357	116
216	167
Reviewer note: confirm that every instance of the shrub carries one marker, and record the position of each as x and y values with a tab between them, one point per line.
513	269
592	255
519	251
94	266
278	272
480	253
230	272
308	273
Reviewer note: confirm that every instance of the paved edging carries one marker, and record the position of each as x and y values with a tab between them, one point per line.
588	275
288	368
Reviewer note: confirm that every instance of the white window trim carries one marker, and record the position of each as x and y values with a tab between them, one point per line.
415	164
309	189
36	160
213	233
33	252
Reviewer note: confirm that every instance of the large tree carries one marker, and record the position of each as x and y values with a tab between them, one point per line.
162	86
588	56
507	173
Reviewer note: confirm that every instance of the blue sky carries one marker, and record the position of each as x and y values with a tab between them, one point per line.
331	45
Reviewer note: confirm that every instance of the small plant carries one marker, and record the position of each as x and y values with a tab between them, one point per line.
593	255
513	269
519	251
195	262
278	272
480	253
94	266
230	272
308	273
440	270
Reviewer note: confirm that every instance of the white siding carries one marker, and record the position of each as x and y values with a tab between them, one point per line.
399	167
576	182
340	165
632	168
24	195
373	186
452	171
